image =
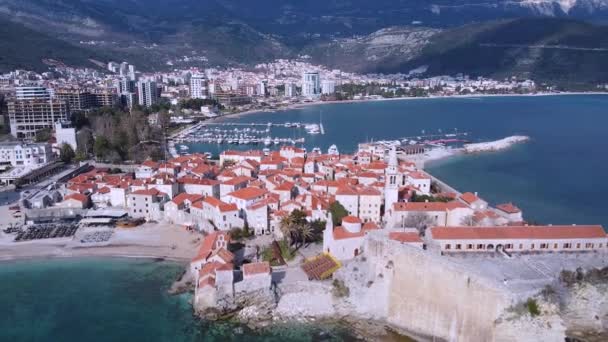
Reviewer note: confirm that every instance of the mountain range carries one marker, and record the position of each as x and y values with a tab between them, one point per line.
542	39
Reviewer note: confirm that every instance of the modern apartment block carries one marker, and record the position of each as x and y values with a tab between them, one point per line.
34	109
147	93
311	84
198	87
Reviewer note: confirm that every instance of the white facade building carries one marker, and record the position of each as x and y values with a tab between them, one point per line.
328	87
198	87
311	84
290	90
391	186
21	154
33	93
65	134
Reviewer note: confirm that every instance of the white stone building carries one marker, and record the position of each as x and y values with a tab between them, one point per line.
25	154
65	134
439	213
520	239
345	242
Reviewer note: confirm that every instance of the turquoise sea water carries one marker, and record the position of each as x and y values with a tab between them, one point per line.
558	177
115	300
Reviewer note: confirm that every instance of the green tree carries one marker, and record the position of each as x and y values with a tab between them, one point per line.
80	156
338	212
43	135
66	153
101	147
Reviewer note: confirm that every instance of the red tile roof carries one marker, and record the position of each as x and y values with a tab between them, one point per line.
469	197
345	190
518	232
427	206
237	180
146	192
248	193
77	197
341	233
256	268
508	208
351	219
209	245
219	204
405	237
197	181
419	175
181	198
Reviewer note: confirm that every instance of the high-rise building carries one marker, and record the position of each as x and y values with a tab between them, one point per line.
328	87
132	75
104	98
123	69
198	87
263	88
77	99
124	85
128	99
290	90
33	110
33	93
147	92
311	84
113	66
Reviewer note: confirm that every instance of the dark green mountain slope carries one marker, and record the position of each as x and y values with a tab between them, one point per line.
24	48
557	50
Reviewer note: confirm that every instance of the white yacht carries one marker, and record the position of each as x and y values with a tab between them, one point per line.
267	141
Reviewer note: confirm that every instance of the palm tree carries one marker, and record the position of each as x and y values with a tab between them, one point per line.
305	232
288	228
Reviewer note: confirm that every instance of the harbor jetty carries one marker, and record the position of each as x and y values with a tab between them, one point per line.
496	145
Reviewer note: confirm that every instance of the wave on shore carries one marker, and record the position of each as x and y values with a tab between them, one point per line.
497	145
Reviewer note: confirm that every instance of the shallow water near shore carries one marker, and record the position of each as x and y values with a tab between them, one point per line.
556	177
111	299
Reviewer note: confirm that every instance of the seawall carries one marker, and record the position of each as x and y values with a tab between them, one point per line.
429	296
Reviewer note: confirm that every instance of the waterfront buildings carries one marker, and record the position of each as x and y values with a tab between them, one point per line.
520	239
328	87
311	84
344	242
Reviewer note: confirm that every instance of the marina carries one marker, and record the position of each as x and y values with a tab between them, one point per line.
242	133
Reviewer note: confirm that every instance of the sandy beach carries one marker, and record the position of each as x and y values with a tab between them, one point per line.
147	241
